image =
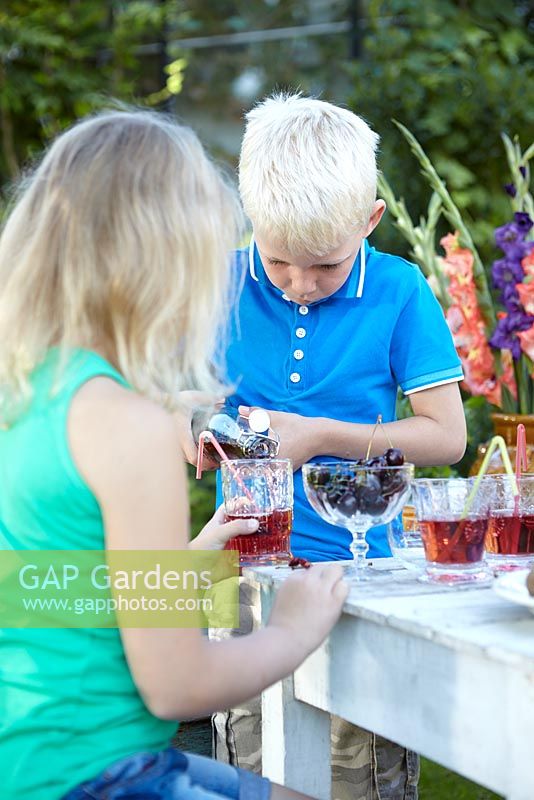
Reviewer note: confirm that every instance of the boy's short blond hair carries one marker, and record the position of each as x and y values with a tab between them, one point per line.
307	172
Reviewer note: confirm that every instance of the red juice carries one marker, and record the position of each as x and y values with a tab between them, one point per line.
454	541
270	540
511	536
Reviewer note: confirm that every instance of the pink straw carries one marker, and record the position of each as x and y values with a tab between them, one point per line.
521	454
207	436
520	465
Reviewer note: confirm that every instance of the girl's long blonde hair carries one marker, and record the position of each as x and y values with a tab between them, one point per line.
120	240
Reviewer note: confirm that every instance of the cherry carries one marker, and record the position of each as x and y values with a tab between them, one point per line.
372	482
373	503
376	461
321	477
392	483
351	489
333	496
299	563
394	457
372	500
347	504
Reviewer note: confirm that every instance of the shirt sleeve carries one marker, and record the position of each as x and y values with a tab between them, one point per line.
422	351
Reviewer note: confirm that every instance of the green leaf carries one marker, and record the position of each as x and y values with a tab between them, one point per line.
452	213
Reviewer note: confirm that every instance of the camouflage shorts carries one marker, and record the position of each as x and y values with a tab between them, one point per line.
364	766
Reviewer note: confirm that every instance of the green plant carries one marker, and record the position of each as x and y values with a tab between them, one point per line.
493	330
201	499
456	74
60	60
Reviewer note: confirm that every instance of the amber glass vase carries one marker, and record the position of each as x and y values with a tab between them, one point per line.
505	425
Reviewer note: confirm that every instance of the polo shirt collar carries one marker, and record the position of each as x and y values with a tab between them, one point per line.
352	288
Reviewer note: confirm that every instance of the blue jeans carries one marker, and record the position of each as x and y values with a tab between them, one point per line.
172	775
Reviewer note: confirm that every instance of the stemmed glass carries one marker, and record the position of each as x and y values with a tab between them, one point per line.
357	497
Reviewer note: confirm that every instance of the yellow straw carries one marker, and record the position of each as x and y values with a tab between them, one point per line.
499	442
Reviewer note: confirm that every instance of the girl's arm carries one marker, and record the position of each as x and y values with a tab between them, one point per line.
126	448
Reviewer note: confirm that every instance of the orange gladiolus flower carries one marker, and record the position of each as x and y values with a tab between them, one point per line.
528	264
467	325
527	343
526	296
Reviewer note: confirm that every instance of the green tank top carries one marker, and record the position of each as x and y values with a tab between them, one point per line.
68	705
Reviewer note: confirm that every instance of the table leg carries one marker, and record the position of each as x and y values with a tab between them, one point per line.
295	735
296	742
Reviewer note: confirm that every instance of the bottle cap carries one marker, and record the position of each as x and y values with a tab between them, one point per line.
259	420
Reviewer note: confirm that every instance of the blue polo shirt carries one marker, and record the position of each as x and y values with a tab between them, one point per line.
342	357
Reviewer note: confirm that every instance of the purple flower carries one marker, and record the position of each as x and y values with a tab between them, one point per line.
511	239
510	189
510	297
519	320
523	221
506	271
504	335
523	171
503	339
507	234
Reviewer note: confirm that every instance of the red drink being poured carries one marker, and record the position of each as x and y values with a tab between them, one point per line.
263	490
270	543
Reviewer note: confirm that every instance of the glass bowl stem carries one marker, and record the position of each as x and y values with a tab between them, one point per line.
359	548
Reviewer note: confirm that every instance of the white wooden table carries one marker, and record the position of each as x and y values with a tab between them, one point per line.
447	673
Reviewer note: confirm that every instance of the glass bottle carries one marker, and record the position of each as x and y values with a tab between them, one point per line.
239	436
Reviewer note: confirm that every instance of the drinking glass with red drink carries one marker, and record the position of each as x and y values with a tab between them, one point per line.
510	534
453	530
260	489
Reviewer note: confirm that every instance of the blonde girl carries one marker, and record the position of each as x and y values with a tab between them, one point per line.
112	275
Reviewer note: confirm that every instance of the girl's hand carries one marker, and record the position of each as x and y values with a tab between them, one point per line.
217	532
309	604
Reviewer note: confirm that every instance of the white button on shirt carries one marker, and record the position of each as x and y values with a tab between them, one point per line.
294	377
303	310
298	354
301	333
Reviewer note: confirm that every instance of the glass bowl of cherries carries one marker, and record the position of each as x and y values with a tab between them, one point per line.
358	495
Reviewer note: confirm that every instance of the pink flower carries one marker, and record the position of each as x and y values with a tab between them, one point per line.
458	260
526	296
467	325
527	342
528	263
508	378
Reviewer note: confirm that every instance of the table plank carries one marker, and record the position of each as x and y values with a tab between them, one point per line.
445	672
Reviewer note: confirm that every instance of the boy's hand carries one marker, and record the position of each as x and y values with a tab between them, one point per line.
182	418
297	435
